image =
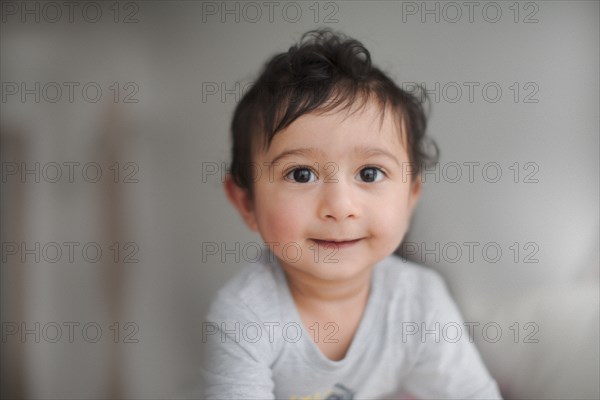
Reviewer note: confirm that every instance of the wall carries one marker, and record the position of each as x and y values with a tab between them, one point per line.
180	67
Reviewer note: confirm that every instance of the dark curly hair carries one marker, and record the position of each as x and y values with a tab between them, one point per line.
324	71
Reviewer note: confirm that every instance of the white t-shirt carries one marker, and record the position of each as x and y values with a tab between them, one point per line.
411	339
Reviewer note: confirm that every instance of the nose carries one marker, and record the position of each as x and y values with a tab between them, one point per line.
338	201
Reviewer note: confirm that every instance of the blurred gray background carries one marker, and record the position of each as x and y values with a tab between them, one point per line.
115	134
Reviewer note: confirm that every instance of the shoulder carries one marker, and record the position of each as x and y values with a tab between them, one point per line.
400	274
237	339
410	289
249	293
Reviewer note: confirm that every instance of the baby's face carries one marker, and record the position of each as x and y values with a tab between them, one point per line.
333	197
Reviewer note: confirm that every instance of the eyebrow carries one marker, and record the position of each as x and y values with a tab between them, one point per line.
359	150
375	151
305	152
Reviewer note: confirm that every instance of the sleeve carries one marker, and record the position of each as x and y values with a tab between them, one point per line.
447	364
237	351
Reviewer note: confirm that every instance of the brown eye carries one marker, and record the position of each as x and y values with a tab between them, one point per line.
370	174
301	175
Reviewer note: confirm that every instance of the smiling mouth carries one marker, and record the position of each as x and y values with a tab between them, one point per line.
335	243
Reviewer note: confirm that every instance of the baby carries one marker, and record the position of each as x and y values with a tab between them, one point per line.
327	152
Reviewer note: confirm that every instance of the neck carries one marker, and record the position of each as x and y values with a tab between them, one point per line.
307	290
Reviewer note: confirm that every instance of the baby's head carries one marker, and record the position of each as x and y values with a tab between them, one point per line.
327	152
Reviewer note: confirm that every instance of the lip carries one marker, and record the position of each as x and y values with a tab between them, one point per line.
336	243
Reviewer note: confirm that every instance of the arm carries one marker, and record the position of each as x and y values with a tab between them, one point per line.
235	364
447	365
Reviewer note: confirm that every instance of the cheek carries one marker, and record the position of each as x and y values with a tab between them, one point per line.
391	222
280	218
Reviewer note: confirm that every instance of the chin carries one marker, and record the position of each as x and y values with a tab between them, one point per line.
339	271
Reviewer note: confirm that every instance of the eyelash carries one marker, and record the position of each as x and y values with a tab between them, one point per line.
312	170
296	168
377	168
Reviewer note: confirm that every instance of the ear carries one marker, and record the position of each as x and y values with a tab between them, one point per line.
241	200
415	193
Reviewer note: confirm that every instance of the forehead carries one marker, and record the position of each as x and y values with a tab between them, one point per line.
344	128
